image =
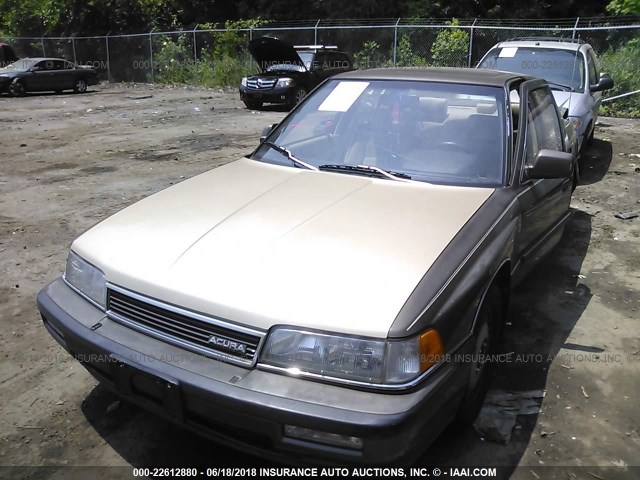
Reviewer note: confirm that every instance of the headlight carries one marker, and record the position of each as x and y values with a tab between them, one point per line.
243	82
284	82
86	280
370	361
576	122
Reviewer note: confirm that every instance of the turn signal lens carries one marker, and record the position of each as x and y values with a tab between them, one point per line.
431	349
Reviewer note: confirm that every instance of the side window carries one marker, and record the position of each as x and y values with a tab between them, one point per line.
596	65
345	63
593	76
334	61
543	126
58	65
531	146
319	62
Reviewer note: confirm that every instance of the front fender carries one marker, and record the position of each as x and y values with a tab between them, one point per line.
449	295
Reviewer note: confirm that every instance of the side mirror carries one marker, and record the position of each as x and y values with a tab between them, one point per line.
550	164
605	83
266	131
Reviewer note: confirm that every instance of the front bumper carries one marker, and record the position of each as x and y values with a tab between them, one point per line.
273	95
248	408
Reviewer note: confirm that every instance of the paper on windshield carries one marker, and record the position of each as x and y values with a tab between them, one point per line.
508	52
343	96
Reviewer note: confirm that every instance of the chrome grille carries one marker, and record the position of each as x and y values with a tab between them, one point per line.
208	336
261	83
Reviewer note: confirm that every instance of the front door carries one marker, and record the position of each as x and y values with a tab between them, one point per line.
543	203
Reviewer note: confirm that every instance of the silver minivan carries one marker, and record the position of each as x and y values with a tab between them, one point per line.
570	66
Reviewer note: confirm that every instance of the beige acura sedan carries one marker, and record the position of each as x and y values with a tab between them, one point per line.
335	295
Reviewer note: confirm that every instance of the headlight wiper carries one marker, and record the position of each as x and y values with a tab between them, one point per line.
287	153
379	172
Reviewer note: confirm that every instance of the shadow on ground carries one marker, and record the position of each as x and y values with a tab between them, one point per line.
544	310
595	161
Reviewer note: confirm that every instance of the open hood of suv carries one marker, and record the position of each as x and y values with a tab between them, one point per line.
268	51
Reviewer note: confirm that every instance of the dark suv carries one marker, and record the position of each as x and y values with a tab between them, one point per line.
289	72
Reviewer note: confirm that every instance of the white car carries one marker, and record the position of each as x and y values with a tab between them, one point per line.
570	66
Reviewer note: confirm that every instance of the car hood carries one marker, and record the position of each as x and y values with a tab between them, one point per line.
260	245
572	101
271	51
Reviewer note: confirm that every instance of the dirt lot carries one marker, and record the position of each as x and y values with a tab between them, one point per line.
68	161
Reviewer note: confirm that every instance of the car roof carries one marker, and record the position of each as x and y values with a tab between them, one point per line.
556	45
39	59
470	76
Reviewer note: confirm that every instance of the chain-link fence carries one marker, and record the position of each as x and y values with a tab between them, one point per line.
398	42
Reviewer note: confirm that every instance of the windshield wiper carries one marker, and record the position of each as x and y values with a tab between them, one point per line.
287	153
402	177
565	88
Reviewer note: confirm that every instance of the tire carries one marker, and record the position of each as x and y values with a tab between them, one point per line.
486	338
298	96
80	85
253	105
588	139
16	89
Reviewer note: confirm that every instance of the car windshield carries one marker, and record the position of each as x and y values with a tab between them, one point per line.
563	69
21	65
434	132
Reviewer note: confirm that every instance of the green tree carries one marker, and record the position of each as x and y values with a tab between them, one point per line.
451	48
368	56
405	57
624	7
234	39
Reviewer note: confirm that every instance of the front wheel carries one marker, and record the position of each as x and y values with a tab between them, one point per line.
80	85
298	96
17	88
485	342
589	139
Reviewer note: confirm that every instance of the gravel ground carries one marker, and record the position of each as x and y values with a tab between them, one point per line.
69	161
